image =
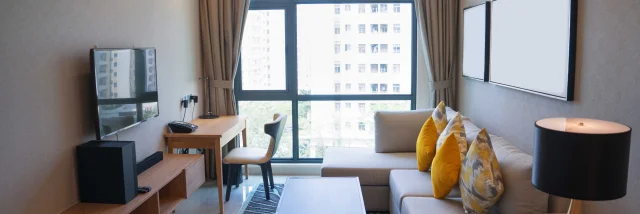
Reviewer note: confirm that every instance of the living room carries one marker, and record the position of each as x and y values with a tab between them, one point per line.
322	102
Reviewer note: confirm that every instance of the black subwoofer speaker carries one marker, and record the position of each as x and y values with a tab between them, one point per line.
107	171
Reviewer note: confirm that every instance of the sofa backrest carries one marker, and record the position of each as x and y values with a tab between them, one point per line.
397	131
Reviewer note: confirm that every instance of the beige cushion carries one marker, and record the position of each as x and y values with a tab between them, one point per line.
519	195
397	131
413	183
414	205
370	167
244	155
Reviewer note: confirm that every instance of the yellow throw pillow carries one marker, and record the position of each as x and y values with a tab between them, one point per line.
426	145
440	117
445	170
481	182
455	127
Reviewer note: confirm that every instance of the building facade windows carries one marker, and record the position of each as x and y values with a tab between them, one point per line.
396	8
361	68
396	28
361	8
336	67
396	88
396	48
374	28
362	28
374	48
362	48
383	88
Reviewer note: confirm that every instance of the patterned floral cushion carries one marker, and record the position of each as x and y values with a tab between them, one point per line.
439	116
455	127
481	183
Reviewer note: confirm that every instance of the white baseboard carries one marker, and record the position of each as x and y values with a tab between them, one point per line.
291	169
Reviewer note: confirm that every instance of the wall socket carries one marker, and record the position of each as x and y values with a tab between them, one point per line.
184	101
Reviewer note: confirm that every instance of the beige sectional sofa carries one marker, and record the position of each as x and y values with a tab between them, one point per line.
391	182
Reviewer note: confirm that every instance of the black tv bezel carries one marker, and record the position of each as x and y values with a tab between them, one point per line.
95	91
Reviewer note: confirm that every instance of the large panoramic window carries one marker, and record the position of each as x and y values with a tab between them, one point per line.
297	60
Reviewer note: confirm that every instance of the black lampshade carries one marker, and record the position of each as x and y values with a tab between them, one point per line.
579	158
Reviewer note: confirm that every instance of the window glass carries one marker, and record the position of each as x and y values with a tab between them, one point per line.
320	129
320	45
263	51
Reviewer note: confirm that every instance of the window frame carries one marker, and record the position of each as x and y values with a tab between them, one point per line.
291	65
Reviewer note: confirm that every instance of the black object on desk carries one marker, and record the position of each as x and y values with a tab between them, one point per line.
182	127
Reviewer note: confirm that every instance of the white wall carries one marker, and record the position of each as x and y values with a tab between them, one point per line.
45	86
607	76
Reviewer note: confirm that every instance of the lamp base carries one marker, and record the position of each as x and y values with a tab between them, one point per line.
209	115
575	207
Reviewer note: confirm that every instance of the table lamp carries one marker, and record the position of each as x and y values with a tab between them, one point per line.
581	159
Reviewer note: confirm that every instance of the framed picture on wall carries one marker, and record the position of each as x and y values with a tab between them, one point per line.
476	40
533	46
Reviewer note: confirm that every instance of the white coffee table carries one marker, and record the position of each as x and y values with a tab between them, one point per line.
321	195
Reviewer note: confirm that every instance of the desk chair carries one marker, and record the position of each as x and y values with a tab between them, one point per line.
262	157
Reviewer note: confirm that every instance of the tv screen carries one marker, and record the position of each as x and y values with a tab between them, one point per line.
126	88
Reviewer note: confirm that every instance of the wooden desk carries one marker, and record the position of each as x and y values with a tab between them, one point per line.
211	134
171	181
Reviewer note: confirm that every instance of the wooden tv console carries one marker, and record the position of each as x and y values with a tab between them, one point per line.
171	180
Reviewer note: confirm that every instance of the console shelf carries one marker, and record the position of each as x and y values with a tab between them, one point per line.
171	180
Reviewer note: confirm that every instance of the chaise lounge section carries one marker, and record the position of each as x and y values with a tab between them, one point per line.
391	182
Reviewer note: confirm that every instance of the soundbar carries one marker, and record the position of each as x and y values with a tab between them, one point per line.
149	162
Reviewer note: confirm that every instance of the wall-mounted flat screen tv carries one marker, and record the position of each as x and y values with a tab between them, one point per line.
126	88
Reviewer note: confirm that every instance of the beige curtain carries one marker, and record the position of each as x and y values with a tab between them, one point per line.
438	25
222	23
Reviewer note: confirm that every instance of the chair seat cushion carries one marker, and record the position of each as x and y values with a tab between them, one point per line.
419	205
245	155
370	167
413	183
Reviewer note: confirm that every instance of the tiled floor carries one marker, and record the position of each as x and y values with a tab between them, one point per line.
205	199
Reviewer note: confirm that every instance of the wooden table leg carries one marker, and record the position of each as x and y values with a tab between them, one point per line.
218	163
244	144
207	164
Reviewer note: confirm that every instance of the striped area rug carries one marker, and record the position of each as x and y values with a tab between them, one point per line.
259	204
